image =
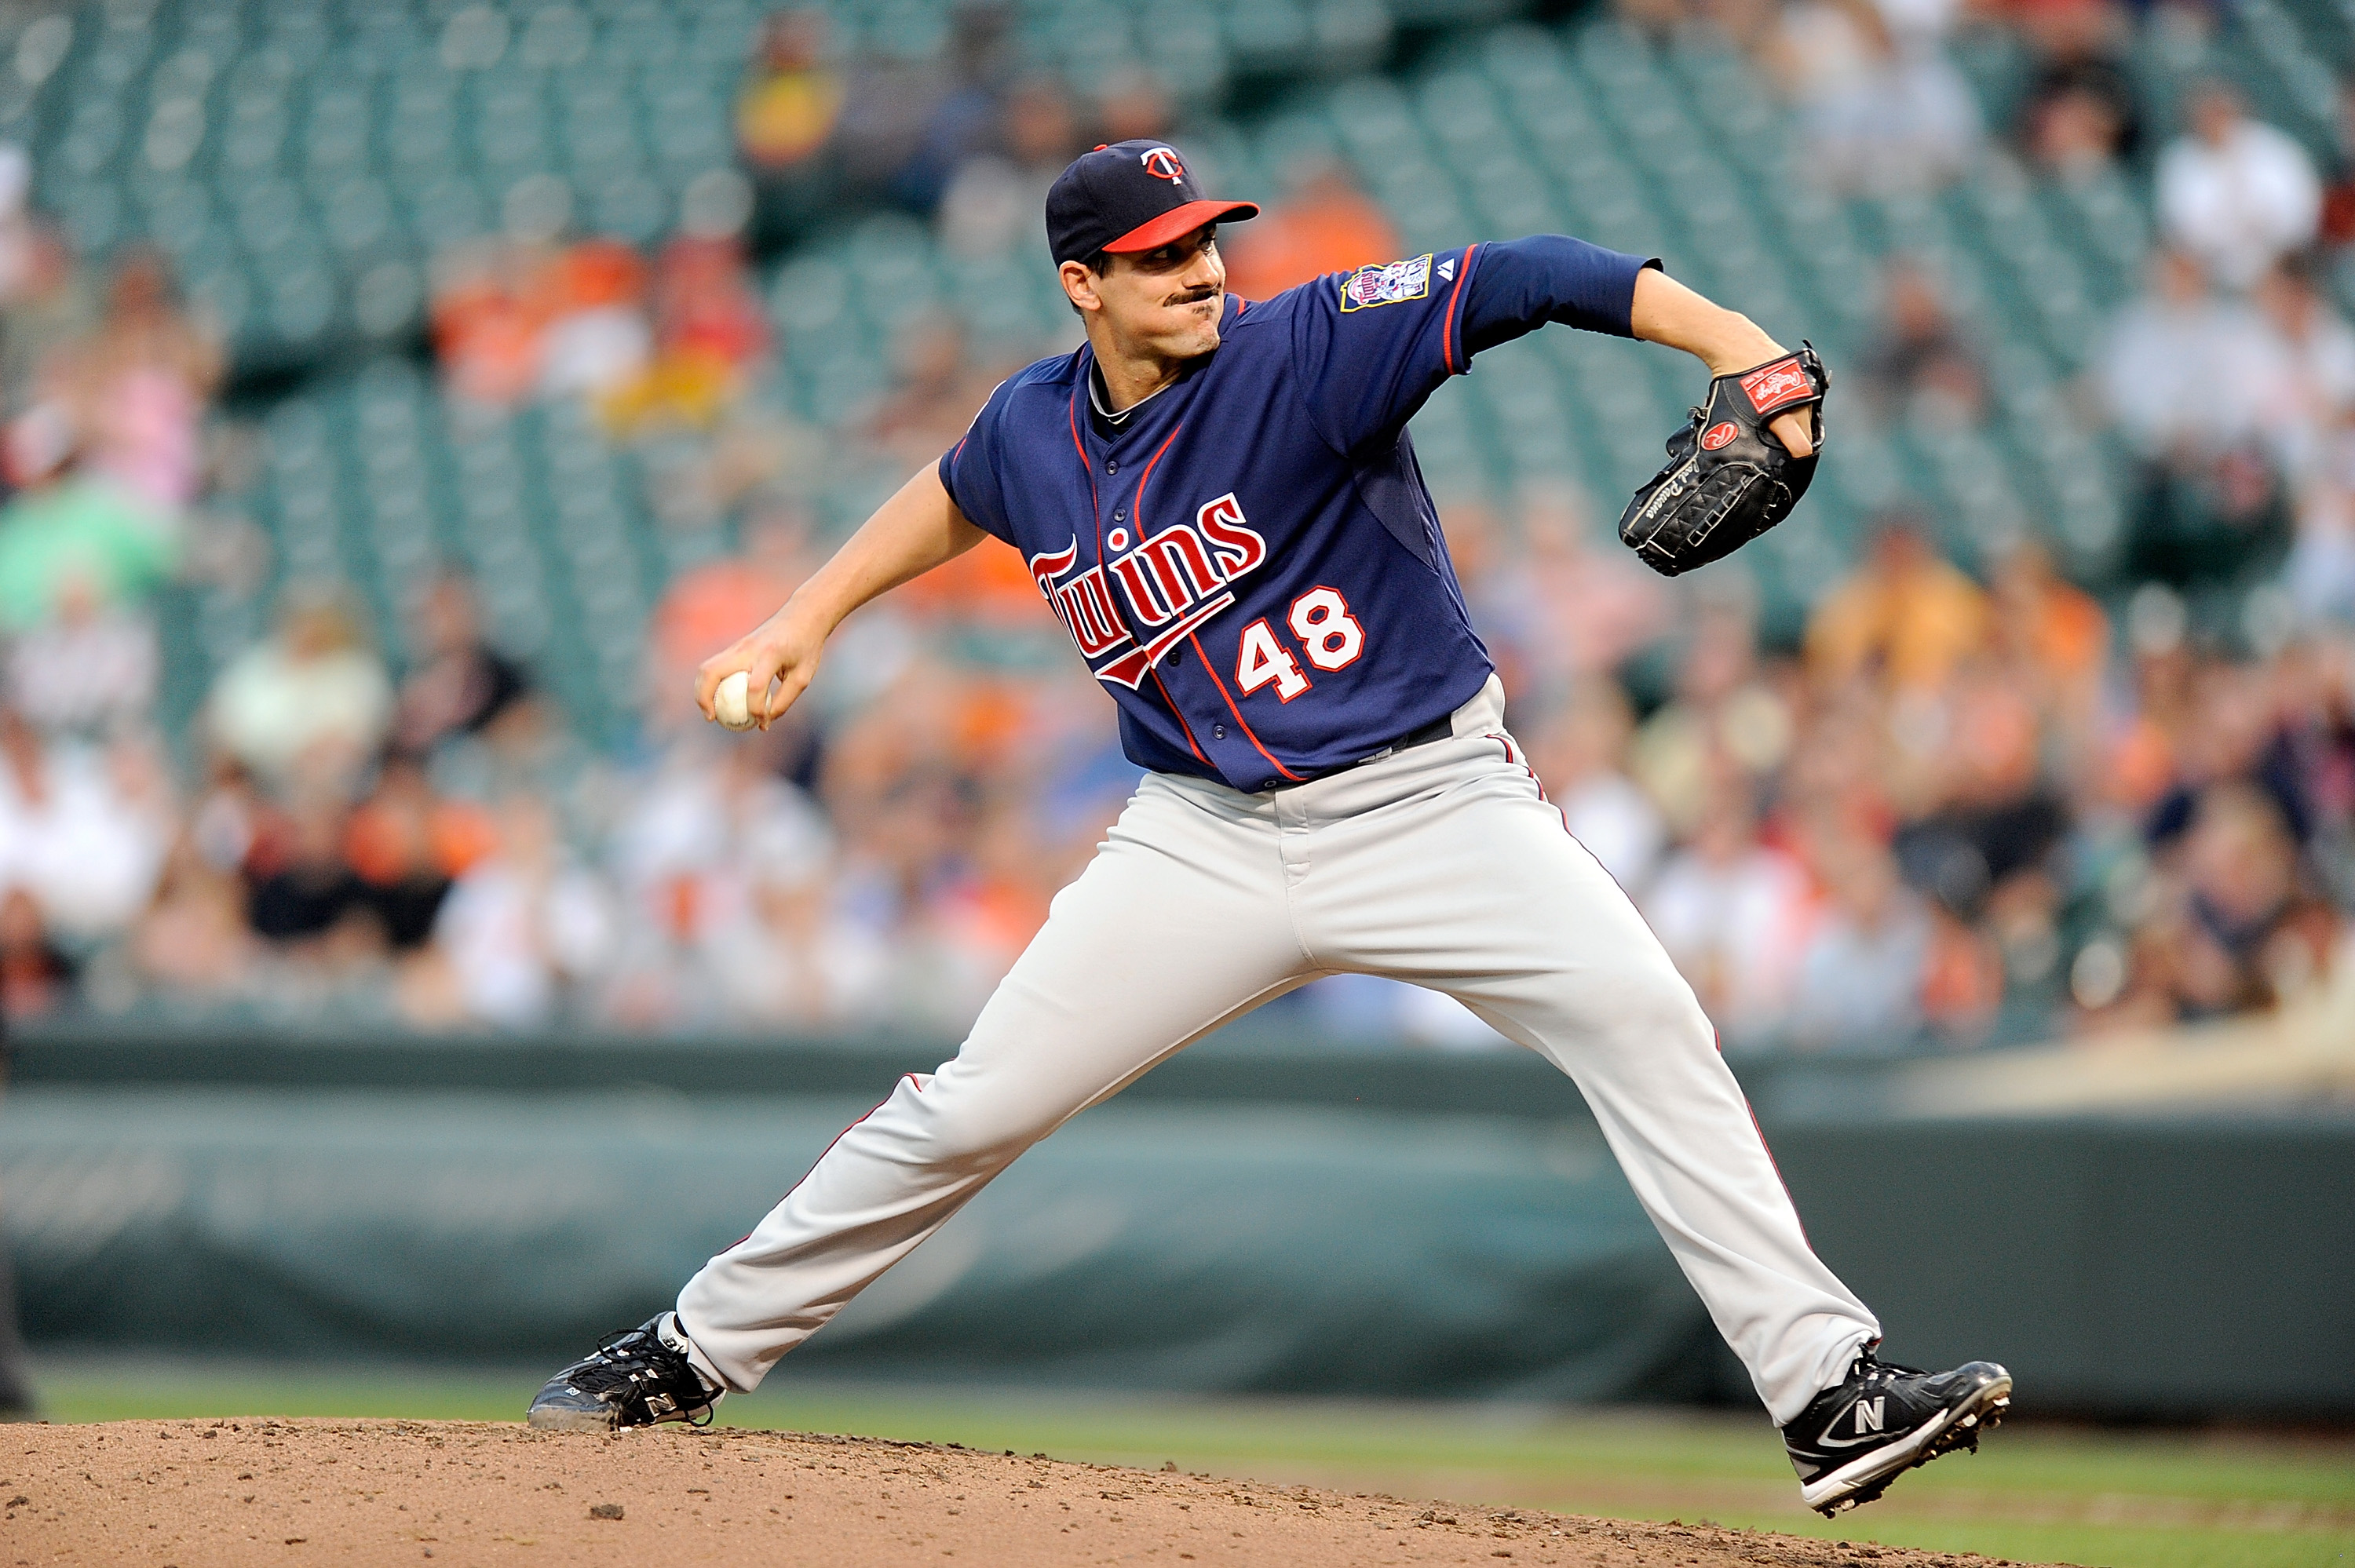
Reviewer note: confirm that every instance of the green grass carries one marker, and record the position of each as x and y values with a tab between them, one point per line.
2037	1494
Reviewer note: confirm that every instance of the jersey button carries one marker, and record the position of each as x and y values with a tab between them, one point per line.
1112	465
1218	732
1120	514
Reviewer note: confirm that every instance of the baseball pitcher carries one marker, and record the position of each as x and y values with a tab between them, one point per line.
1219	499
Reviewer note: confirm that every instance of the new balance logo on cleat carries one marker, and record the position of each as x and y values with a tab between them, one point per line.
1882	1421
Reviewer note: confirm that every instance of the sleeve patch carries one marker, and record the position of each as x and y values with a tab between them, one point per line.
1370	286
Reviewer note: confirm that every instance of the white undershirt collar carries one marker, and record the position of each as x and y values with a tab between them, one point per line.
1096	396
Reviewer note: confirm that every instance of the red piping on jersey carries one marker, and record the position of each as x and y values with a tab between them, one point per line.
1211	669
1148	474
1181	719
1142	479
1089	468
1447	321
1097	505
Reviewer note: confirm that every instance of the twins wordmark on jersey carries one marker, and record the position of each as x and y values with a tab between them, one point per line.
1163	586
1250	561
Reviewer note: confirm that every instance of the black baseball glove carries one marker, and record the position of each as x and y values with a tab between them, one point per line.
1728	479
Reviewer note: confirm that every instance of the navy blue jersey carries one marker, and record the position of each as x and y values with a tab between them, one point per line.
1250	561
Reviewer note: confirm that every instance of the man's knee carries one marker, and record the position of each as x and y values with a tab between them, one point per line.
1654	1001
961	1120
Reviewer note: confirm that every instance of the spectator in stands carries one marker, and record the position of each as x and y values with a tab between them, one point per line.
459	682
89	670
139	388
1919	365
992	205
1133	107
1884	108
2180	369
1733	913
2306	359
2188	380
2320	573
1324	223
1861	975
83	831
2239	929
705	607
193	941
1906	617
2080	112
712	334
1726	720
785	117
486	321
1582	756
312	697
792	961
36	976
935	392
2236	193
405	846
71	534
521	933
46	307
595	338
303	889
906	126
1978	812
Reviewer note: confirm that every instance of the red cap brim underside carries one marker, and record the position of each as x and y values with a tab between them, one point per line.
1178	222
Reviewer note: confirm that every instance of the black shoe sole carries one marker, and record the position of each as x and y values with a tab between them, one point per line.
1982	1411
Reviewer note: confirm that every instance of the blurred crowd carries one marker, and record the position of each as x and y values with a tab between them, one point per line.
1958	806
970	141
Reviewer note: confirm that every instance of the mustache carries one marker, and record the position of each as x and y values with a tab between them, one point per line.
1194	296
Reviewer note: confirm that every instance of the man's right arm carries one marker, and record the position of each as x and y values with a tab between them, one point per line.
916	530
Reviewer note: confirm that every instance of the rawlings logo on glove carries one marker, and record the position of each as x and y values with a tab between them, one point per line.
1728	479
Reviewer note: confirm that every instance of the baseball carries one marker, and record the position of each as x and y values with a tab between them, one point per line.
731	705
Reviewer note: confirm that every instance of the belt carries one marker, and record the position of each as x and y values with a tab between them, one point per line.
1439	729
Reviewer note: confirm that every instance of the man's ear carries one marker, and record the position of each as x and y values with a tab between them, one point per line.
1079	286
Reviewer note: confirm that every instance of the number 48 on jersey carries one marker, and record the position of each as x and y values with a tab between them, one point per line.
1329	636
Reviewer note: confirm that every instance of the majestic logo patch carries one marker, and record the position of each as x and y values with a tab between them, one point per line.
1779	386
1718	435
1162	164
1130	609
1370	286
1447	270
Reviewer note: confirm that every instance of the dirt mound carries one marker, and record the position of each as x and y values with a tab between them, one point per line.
196	1494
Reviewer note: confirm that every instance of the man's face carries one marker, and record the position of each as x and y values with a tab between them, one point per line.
1165	302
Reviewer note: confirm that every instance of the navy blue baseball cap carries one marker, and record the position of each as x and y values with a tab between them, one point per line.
1128	197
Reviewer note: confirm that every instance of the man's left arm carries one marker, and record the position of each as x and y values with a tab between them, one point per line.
1665	312
1519	285
1374	344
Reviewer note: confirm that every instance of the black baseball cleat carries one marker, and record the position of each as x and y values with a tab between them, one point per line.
1883	1420
632	1379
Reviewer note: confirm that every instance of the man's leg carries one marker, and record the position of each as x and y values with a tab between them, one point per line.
1178	924
1467	882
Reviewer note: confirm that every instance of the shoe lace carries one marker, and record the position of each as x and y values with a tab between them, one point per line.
1870	1368
636	1361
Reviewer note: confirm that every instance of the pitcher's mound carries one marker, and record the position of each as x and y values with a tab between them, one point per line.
196	1494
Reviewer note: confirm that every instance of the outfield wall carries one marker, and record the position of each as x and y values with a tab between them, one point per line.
1246	1218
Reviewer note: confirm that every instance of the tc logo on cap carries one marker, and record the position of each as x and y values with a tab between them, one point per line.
1162	164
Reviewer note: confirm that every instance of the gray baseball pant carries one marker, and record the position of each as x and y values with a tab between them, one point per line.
1444	865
